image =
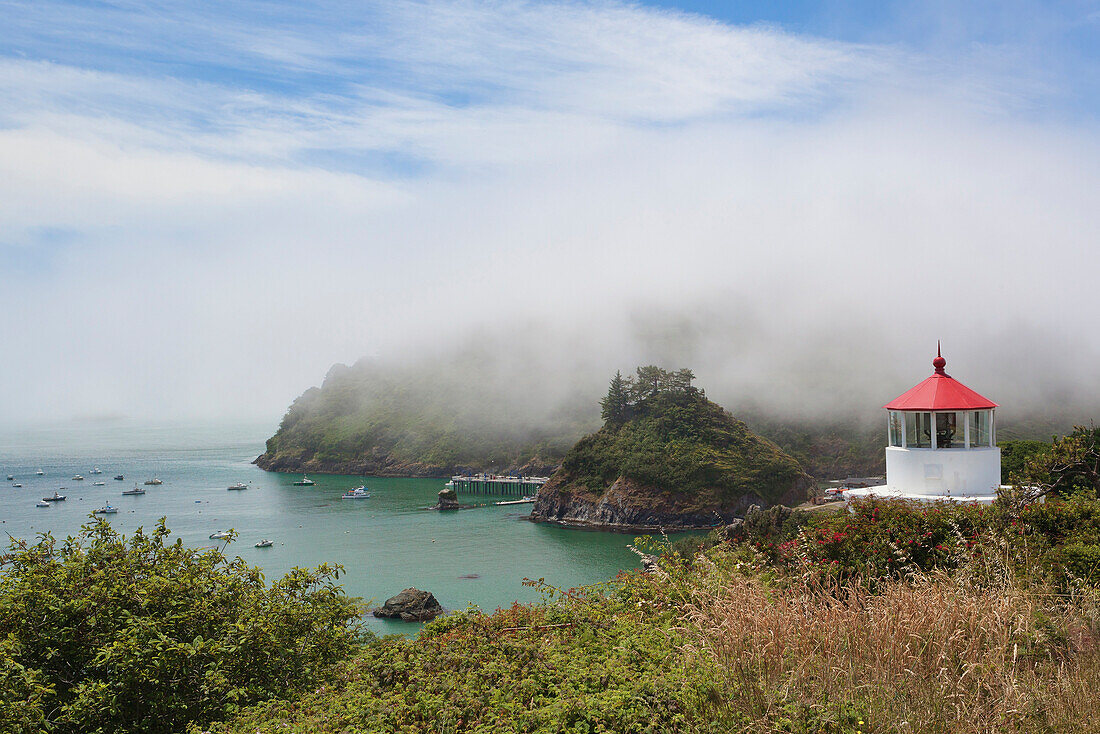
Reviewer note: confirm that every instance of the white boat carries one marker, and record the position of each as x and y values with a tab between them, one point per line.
359	493
265	543
238	485
153	482
304	482
78	478
220	535
99	484
96	470
11	477
105	510
40	473
135	491
41	504
524	501
17	485
57	497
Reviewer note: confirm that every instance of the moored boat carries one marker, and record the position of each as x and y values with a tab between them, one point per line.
304	482
135	491
96	470
119	478
40	473
57	497
99	484
42	504
11	477
220	535
265	543
238	485
78	478
153	482
524	501
359	493
17	485
105	510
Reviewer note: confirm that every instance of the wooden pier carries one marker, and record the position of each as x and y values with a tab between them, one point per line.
497	484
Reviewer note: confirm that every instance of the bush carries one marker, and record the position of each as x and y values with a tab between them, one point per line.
109	634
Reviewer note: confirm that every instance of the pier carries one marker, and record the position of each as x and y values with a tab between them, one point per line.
497	484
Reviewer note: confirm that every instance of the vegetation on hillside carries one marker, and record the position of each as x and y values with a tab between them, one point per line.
469	411
421	420
895	617
103	633
661	433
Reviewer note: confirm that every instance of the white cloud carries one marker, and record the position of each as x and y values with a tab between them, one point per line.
576	164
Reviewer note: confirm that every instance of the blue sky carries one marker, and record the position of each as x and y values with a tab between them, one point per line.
183	181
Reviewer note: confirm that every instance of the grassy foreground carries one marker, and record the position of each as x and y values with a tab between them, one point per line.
890	619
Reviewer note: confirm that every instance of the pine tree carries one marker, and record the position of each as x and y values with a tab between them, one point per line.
616	406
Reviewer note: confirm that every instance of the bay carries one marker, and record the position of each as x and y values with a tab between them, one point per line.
386	543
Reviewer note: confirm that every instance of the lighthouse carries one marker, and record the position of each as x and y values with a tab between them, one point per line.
941	443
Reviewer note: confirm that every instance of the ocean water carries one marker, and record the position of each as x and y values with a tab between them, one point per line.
385	543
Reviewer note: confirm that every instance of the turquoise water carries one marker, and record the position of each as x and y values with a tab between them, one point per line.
385	543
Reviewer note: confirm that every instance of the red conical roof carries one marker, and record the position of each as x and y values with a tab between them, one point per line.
940	392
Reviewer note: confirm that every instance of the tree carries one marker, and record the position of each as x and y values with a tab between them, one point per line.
616	406
1071	465
109	634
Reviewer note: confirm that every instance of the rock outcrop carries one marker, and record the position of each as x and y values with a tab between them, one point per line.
628	507
411	605
448	499
667	458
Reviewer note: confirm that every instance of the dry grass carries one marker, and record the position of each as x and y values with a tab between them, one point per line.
931	654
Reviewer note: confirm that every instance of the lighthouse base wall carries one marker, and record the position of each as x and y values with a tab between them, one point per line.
944	472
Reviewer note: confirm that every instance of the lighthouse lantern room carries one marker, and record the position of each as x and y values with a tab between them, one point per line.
942	443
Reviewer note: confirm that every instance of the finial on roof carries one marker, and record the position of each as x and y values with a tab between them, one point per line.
939	362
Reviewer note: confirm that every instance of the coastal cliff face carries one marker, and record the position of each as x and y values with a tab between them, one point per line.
627	506
383	464
667	458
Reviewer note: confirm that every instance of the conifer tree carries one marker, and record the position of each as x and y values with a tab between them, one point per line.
616	406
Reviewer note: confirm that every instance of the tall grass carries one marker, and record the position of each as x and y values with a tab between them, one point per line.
931	653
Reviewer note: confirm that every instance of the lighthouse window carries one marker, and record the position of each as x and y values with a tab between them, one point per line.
895	428
949	431
981	428
918	430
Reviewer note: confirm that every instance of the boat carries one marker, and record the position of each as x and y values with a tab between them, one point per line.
105	510
17	485
359	493
40	473
524	501
57	497
238	485
153	482
265	543
96	470
41	504
119	477
99	484
135	491
304	482
220	535
78	478
11	477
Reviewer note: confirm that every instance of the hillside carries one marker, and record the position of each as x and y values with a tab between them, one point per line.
667	457
473	410
425	419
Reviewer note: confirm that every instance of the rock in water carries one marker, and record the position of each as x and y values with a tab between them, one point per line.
448	499
411	605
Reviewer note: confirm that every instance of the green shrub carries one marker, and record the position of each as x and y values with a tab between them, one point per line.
109	634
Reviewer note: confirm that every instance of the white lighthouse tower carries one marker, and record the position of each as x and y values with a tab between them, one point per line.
942	443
